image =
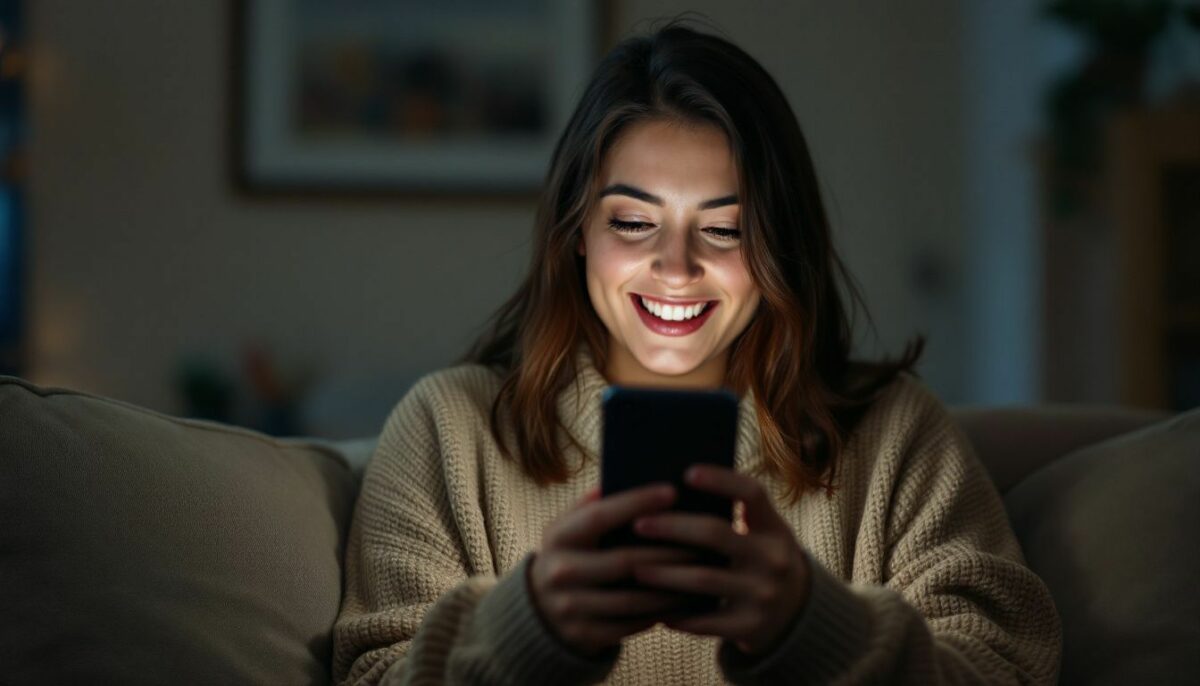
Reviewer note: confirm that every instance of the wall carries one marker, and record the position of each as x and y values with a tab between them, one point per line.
1004	260
141	252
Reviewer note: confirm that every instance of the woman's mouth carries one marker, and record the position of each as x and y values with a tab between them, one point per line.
672	320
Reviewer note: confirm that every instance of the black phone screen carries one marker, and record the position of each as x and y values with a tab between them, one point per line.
653	435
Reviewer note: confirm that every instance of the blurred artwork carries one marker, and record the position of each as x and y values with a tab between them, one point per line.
12	186
458	95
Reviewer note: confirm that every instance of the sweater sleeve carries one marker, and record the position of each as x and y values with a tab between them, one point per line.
413	610
957	606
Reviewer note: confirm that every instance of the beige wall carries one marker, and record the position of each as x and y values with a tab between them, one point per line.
142	252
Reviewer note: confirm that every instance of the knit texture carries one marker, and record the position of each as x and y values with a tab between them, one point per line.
917	577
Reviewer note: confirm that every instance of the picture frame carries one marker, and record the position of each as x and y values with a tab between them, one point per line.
394	97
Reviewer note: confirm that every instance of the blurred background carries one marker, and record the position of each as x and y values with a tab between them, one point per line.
281	213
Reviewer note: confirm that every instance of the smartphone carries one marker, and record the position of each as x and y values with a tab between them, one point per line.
653	435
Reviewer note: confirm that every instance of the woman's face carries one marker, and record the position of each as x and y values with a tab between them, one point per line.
665	271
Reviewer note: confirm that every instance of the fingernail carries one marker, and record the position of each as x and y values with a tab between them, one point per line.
693	475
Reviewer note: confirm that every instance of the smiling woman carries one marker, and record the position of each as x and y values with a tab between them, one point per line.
681	242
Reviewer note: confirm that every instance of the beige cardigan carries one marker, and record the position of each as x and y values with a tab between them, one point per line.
918	578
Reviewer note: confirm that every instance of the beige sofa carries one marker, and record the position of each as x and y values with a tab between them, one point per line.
141	548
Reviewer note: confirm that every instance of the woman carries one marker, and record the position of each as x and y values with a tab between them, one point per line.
871	545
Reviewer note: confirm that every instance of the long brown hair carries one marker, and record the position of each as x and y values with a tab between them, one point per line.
794	355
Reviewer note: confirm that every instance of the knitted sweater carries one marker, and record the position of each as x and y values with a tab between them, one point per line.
916	576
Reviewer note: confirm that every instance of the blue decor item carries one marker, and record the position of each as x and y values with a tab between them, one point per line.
12	182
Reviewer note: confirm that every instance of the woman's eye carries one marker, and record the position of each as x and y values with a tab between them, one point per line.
722	233
628	227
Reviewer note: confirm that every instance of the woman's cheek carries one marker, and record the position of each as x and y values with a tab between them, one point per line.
618	259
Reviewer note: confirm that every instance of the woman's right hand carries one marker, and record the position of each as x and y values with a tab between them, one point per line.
568	577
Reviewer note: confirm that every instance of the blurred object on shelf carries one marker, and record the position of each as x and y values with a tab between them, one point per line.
1122	290
278	390
1120	175
353	406
258	390
1153	192
207	392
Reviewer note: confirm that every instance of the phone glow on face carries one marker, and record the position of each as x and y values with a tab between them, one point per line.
671	239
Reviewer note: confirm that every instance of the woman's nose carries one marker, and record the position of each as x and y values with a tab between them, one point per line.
675	265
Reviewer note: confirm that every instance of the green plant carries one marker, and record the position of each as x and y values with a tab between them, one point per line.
1120	34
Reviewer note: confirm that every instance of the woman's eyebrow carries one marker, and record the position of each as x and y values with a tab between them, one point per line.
639	194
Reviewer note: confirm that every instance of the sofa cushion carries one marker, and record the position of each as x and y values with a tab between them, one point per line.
1014	442
141	548
1111	528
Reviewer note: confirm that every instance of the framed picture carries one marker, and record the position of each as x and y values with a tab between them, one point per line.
395	96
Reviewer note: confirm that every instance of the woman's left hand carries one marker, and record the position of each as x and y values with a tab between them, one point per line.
766	583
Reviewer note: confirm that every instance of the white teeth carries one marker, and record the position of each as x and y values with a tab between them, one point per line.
673	313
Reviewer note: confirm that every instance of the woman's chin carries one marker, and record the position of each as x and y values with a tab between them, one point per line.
671	365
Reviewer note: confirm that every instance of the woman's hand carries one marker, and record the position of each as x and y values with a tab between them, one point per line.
567	577
766	584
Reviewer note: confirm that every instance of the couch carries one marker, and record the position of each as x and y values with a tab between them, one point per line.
137	547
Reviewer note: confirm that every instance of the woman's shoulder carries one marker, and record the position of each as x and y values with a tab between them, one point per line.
463	382
904	409
462	389
443	409
908	391
437	423
450	395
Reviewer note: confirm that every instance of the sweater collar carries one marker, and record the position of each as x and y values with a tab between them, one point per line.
580	412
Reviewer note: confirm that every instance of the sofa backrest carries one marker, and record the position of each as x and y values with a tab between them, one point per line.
1111	529
142	548
137	547
1014	442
